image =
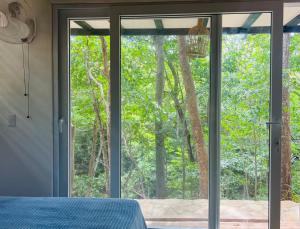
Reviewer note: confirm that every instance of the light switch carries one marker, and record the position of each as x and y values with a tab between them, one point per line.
12	120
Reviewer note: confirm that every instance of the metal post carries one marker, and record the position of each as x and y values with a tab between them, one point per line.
214	121
275	118
115	157
64	105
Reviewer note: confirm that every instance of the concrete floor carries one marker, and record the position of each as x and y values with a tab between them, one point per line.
235	214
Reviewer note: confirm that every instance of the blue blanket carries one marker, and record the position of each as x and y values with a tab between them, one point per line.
69	213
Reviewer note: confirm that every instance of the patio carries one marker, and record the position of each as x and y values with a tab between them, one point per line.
235	214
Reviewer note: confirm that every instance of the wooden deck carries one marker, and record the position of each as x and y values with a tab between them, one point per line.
235	214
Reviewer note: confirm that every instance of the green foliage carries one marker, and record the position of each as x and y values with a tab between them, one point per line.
244	113
294	86
88	186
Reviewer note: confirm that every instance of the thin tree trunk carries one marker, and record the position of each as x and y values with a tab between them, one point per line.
99	154
245	165
180	111
256	176
183	185
91	168
246	189
161	191
286	132
102	131
255	162
134	166
192	107
182	135
96	106
106	73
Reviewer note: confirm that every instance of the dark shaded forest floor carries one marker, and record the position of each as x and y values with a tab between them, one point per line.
235	214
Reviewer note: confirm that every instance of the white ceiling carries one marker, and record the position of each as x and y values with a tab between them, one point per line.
290	12
229	21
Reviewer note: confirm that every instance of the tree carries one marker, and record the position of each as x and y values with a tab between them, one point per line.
106	74
161	191
286	193
98	100
164	102
192	107
180	112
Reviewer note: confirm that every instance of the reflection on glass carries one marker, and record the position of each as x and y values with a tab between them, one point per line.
244	135
165	93
90	101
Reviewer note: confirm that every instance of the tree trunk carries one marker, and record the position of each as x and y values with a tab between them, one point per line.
184	137
106	73
161	191
286	132
180	111
255	161
91	169
192	108
96	106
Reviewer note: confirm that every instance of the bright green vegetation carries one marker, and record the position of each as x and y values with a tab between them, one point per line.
150	112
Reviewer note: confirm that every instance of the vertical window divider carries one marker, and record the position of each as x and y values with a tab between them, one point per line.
275	117
214	121
115	114
63	117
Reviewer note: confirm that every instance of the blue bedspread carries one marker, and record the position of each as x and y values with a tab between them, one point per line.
69	213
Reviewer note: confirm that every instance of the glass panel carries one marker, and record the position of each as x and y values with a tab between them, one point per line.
245	103
290	139
89	91
165	94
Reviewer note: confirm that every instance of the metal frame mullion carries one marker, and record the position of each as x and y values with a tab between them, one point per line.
214	121
115	114
275	118
62	178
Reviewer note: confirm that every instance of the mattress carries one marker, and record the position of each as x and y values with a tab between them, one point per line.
69	213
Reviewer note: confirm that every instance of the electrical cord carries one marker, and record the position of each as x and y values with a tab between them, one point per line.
28	81
26	77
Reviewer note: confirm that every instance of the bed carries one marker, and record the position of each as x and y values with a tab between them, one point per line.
69	213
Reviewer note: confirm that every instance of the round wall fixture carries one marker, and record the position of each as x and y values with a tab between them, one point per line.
3	20
17	25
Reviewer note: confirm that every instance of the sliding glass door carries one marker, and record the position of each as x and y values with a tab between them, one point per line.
175	106
165	78
245	113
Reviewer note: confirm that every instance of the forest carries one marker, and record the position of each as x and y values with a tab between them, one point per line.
165	116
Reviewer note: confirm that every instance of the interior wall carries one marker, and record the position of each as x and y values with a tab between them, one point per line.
26	149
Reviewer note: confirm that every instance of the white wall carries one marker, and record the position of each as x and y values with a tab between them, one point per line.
26	150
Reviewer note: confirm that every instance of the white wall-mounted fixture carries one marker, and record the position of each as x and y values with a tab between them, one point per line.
17	26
